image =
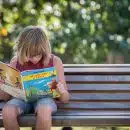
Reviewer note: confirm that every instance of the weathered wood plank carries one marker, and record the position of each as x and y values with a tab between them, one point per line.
95	120
100	96
25	121
91	113
95	70
98	78
96	65
98	86
95	105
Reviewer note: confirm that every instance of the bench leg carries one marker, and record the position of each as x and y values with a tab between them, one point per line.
67	128
113	128
33	128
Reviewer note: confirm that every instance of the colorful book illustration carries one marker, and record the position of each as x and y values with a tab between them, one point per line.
28	85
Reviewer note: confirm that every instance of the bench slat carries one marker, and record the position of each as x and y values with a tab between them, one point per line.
96	66
100	96
95	105
89	112
98	86
103	78
98	70
79	120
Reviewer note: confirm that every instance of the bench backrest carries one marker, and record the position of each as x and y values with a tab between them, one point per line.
97	88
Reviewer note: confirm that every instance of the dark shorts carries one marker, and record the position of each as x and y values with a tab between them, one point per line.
29	107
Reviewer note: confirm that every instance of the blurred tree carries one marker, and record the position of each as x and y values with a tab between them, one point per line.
82	31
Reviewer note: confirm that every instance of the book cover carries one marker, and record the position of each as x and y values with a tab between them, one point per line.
28	85
39	83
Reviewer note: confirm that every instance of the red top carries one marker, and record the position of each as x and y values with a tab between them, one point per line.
29	65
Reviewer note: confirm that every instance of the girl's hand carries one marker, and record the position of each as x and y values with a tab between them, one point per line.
60	88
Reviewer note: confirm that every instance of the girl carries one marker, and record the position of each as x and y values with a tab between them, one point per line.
33	51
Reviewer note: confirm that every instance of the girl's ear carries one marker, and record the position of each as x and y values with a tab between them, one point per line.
13	62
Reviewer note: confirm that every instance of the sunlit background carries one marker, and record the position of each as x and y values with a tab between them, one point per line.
80	31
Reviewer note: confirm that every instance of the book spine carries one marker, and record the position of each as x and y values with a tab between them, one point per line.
25	98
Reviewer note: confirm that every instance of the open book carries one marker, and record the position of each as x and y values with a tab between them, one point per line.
28	85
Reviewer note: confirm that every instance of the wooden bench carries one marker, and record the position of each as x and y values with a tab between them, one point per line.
100	96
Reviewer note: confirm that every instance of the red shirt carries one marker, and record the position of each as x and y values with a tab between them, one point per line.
29	65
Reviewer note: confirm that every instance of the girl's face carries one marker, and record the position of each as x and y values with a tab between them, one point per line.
35	59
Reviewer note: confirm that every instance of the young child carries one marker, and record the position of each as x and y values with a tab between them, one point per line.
33	51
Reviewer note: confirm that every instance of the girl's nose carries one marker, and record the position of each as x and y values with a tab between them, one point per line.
29	58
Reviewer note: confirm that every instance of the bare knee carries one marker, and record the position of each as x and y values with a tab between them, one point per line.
10	112
44	113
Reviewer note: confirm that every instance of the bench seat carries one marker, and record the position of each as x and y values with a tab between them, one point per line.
89	118
99	96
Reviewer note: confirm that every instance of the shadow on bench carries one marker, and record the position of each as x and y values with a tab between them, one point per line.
100	96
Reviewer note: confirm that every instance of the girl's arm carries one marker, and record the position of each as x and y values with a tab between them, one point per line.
61	86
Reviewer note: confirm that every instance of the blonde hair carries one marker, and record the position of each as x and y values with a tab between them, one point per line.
32	41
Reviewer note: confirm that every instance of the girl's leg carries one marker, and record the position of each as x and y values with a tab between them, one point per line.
44	109
43	122
11	111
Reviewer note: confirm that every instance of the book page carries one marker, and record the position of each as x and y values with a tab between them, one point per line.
10	76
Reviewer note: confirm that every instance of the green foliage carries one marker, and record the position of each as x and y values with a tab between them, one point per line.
81	31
